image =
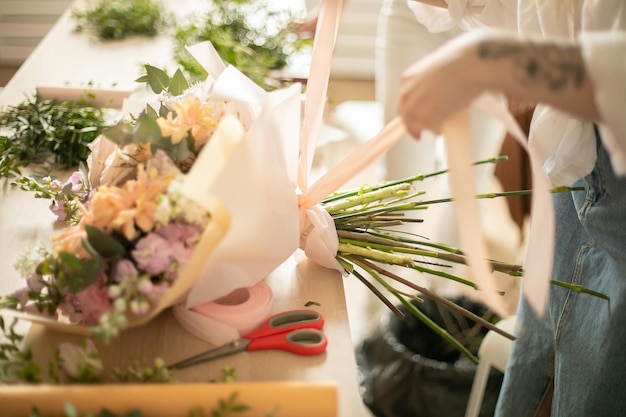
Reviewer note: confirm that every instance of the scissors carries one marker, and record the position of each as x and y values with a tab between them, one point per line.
296	331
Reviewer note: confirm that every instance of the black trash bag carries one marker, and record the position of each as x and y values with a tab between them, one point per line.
407	370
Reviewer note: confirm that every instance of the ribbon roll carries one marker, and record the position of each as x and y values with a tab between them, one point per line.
229	317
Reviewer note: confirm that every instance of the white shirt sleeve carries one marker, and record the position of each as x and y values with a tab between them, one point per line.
605	58
466	14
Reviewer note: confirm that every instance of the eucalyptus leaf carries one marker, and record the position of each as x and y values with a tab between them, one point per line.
178	83
151	112
145	130
158	80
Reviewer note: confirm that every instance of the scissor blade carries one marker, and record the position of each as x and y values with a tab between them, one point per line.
225	350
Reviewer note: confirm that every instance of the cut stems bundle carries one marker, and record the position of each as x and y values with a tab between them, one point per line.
367	221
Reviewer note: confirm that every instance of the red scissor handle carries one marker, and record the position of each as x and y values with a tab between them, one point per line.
288	321
301	342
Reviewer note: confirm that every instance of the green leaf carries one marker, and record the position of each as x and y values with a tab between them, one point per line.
104	244
146	130
158	79
46	267
70	411
151	112
77	274
178	83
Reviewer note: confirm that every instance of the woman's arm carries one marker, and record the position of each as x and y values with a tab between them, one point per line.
525	70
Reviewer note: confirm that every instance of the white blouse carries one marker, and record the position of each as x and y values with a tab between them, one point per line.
566	144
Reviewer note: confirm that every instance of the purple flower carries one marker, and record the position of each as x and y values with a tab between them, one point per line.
58	208
153	254
76	181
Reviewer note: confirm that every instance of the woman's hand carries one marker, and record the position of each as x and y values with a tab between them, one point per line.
441	84
526	70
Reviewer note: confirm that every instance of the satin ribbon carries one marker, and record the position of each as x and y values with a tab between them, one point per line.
317	234
318	224
229	317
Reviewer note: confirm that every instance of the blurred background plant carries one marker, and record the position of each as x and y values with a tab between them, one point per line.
248	34
118	19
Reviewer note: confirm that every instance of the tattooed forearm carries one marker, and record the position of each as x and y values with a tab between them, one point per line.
556	66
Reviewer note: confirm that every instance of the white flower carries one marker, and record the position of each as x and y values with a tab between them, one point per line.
27	262
164	208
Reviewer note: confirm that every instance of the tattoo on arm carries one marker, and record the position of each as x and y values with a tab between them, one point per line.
555	66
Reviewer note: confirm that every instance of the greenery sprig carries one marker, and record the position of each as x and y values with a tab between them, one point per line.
47	132
118	19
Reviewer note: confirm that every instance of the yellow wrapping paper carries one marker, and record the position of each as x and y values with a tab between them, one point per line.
173	400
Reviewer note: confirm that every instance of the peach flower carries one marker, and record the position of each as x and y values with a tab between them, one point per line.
191	117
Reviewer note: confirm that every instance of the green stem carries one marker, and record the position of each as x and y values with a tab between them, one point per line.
410	180
439	299
580	289
392	259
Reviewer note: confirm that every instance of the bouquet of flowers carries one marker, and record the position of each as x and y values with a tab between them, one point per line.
131	252
141	225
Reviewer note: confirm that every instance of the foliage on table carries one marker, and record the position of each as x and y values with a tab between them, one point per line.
118	19
47	131
247	34
82	364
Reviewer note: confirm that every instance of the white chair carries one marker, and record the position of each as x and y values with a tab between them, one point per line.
493	352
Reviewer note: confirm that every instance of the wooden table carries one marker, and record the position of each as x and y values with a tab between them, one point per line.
66	58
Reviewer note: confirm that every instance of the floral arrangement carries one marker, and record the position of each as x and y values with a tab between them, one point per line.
129	244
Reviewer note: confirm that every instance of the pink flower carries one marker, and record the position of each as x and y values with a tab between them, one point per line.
94	300
177	232
153	254
153	292
125	271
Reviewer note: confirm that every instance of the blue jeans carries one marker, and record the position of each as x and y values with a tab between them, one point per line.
580	343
